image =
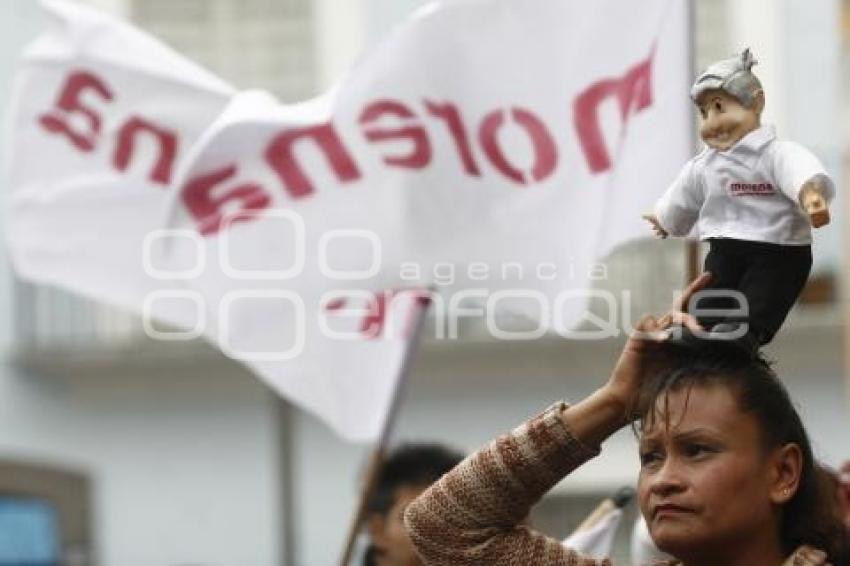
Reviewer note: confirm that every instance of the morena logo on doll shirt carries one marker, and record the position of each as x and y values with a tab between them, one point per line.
742	189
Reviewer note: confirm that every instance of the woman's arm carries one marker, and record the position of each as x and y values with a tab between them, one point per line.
474	514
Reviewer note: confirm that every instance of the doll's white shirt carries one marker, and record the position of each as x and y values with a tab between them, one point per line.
748	192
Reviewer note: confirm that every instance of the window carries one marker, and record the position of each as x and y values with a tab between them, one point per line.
44	516
28	532
264	44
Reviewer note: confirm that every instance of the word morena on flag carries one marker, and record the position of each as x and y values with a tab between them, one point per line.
632	92
480	132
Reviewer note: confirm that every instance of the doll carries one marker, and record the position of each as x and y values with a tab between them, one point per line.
753	198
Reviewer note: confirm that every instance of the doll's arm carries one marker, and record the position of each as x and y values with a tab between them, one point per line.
804	180
813	200
677	210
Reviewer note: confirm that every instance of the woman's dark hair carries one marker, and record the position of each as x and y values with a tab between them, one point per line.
811	516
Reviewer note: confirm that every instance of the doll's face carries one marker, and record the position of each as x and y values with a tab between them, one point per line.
724	120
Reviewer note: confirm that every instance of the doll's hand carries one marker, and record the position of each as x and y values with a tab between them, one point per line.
656	225
815	205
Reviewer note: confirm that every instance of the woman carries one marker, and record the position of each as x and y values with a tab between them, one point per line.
727	475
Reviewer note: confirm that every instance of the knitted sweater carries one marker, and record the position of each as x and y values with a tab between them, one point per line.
473	515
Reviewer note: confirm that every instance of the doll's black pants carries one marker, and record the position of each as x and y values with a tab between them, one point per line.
770	276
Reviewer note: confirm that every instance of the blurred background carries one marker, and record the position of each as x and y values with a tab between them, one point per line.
118	450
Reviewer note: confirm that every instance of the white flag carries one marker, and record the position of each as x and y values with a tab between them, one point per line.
643	551
101	115
598	540
511	144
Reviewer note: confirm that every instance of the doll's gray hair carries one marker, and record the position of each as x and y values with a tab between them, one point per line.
733	76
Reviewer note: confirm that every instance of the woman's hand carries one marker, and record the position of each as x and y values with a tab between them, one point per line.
595	418
807	556
636	362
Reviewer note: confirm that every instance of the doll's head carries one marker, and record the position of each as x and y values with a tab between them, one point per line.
730	100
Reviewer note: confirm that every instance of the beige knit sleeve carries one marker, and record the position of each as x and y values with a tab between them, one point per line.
473	514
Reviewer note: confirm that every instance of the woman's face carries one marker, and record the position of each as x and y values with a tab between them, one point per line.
705	481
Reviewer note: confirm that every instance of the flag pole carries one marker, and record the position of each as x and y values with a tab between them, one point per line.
692	248
376	458
844	262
